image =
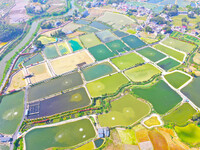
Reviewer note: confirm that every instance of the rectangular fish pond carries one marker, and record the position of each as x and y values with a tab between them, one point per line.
61	103
54	86
98	70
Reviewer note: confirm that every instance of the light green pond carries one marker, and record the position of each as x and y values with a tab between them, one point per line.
11	112
65	135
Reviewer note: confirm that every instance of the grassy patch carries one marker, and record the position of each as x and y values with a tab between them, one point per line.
105	85
125	111
189	134
177	79
181	115
106	36
127	136
46	40
152	121
88	146
142	73
160	95
127	61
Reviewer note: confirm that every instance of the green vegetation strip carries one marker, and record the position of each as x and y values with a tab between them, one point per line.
177	55
168	64
125	111
189	134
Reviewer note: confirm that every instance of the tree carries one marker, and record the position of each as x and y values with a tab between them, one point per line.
8	32
88	5
167	29
184	19
191	14
38	44
148	29
58	34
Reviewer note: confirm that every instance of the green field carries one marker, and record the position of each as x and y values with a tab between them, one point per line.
106	36
51	52
160	95
116	45
65	135
133	41
142	73
151	54
75	44
168	64
98	70
90	40
11	112
35	59
100	52
192	91
62	47
189	134
125	111
177	79
127	61
105	85
181	115
55	85
177	44
46	40
177	55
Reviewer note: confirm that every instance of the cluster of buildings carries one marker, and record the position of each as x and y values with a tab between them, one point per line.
5	139
140	10
104	132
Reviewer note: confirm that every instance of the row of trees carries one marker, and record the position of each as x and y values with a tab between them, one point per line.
8	32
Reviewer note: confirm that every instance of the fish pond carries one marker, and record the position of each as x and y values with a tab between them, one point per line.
54	86
65	135
11	112
97	71
65	102
192	91
160	95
